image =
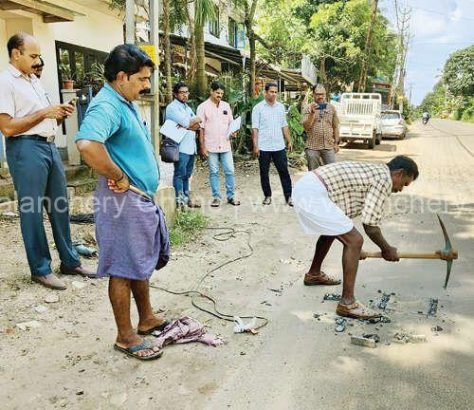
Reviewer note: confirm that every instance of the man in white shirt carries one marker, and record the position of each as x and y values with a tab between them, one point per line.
269	131
29	123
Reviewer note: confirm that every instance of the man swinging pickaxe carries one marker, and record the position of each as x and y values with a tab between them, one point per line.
447	254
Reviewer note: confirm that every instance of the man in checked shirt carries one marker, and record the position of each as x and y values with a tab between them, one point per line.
322	127
327	198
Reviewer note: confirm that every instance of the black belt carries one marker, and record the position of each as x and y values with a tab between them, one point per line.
36	138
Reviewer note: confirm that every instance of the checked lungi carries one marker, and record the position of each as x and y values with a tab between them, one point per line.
131	234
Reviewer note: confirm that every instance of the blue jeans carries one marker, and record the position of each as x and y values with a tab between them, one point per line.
183	170
38	176
227	161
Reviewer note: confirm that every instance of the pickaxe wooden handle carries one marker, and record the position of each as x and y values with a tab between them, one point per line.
447	254
413	255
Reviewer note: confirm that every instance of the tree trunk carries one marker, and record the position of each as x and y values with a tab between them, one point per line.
322	71
201	79
250	11
167	50
252	62
190	47
366	58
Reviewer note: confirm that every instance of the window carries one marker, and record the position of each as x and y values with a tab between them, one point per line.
233	33
214	28
78	62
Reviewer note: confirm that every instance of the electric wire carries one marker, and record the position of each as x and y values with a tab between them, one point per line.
195	294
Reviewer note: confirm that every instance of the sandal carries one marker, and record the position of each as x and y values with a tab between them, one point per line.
132	351
356	311
233	201
320	280
158	328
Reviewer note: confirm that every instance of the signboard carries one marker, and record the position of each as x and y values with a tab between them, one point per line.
150	50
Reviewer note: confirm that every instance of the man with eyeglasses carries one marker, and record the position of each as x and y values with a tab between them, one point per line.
29	123
321	124
181	113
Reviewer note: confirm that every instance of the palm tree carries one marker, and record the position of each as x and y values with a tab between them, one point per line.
204	10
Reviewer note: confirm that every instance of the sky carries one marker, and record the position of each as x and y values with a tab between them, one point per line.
439	27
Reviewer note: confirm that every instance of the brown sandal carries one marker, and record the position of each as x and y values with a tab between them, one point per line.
320	280
356	311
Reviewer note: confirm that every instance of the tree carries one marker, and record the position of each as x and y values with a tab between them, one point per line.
339	36
458	73
281	34
204	10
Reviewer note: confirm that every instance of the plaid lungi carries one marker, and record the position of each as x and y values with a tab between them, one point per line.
131	234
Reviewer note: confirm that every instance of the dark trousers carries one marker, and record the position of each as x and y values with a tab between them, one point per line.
281	163
40	183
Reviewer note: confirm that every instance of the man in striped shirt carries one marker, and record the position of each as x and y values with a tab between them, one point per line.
269	131
326	199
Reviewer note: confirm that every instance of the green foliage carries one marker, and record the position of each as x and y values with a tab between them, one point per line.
295	124
441	103
458	74
339	32
187	226
284	33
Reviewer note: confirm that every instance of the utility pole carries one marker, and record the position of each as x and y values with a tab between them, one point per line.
368	44
152	49
403	16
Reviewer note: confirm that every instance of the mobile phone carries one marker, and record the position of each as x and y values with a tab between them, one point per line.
73	101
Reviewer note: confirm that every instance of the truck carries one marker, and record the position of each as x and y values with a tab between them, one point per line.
360	117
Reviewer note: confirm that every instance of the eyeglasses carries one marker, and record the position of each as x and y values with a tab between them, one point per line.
183	92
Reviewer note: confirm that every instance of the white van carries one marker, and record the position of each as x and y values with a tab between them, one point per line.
359	116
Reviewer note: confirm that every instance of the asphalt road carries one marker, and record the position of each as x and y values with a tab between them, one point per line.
303	364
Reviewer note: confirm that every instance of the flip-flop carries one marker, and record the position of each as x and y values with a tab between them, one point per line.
158	328
133	350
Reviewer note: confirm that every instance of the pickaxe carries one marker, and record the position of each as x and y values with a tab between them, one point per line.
447	254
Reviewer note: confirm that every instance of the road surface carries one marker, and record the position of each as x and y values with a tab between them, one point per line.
297	361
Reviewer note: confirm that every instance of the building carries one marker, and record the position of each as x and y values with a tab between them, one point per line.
72	38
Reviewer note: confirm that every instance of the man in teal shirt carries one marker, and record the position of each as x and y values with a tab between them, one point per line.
130	230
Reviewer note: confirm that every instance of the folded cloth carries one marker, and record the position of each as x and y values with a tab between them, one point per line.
131	234
317	214
185	330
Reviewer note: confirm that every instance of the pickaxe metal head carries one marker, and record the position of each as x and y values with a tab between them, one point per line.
447	253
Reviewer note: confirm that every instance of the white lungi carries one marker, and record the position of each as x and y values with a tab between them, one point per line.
317	214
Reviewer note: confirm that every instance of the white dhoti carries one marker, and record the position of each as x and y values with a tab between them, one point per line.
317	214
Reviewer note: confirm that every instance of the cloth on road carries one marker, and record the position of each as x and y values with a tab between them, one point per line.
317	214
185	330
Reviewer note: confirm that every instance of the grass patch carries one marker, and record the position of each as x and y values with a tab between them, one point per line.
187	226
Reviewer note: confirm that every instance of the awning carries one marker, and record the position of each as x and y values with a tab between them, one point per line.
222	53
50	12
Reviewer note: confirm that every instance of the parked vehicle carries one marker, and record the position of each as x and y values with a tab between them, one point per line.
359	115
393	124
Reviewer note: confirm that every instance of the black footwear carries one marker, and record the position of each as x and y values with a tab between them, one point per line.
78	270
267	200
289	201
233	201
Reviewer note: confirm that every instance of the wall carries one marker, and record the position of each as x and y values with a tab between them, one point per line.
94	27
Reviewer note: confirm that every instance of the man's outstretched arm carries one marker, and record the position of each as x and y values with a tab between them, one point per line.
389	253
